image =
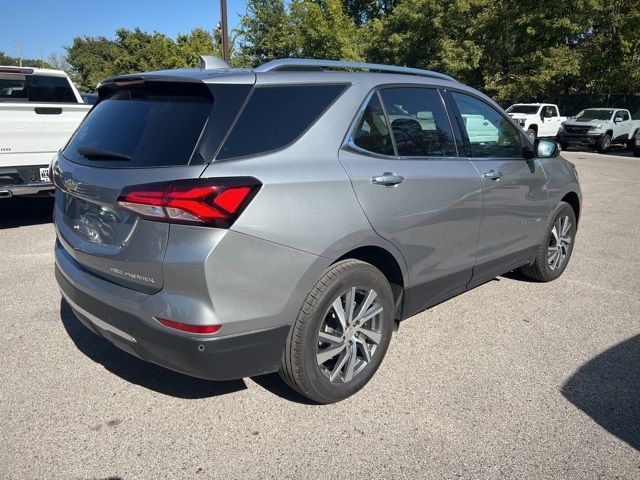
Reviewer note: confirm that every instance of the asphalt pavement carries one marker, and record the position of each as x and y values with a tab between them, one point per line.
514	379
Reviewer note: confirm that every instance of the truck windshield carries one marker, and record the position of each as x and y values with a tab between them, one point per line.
595	114
526	109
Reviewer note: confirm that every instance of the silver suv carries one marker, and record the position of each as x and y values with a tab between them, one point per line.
227	223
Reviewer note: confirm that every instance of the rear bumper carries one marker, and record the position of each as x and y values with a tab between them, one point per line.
16	181
230	357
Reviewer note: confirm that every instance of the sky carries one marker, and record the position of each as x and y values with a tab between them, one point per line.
49	26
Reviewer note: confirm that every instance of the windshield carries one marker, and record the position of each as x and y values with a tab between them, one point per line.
595	114
526	109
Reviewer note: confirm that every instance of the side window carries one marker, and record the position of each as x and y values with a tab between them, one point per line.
554	112
372	132
49	89
419	122
275	116
490	134
624	115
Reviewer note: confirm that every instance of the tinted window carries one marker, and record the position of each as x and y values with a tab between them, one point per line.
490	133
50	89
372	132
623	114
12	87
419	123
155	125
276	116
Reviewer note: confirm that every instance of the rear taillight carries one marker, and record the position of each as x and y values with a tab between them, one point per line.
189	328
214	202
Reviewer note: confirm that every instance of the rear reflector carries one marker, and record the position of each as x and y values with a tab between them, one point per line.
215	202
186	327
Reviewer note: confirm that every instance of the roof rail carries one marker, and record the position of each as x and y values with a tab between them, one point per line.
302	64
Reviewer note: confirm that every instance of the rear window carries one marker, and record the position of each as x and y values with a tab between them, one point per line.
151	125
35	88
276	116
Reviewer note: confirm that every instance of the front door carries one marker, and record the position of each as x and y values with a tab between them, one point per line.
415	190
515	192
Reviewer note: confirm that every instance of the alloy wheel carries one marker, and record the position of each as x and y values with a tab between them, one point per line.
559	243
349	334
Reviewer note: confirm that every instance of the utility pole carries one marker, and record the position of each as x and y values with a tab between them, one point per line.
19	48
224	30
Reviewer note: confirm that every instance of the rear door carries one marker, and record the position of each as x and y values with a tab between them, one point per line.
515	191
415	190
38	114
139	133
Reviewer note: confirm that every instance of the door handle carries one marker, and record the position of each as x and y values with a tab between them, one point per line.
388	179
493	174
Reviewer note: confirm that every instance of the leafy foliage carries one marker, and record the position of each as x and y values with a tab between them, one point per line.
508	48
94	58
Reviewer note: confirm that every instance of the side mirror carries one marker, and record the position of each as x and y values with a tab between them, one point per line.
618	120
546	148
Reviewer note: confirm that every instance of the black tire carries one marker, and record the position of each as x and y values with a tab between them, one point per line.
631	143
604	144
531	133
564	146
636	152
540	269
299	367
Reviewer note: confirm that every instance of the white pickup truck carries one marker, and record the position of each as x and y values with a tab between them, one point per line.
600	128
537	119
39	110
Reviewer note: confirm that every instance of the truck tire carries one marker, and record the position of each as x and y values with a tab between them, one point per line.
564	146
531	133
604	143
631	143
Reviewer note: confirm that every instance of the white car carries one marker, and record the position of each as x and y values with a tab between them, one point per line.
537	119
39	110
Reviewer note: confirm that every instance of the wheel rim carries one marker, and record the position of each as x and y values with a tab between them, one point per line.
349	335
606	144
559	243
532	135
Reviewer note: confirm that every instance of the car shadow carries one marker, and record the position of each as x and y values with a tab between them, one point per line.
607	388
20	212
139	372
518	276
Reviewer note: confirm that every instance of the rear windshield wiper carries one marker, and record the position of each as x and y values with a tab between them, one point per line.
91	152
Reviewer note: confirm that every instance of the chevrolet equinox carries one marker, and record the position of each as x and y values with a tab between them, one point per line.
226	222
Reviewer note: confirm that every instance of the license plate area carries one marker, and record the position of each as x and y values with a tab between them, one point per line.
44	174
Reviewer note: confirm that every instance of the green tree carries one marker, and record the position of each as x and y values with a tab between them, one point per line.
363	11
264	33
321	29
198	42
612	46
9	61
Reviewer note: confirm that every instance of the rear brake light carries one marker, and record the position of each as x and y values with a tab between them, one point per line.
187	327
24	71
215	202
